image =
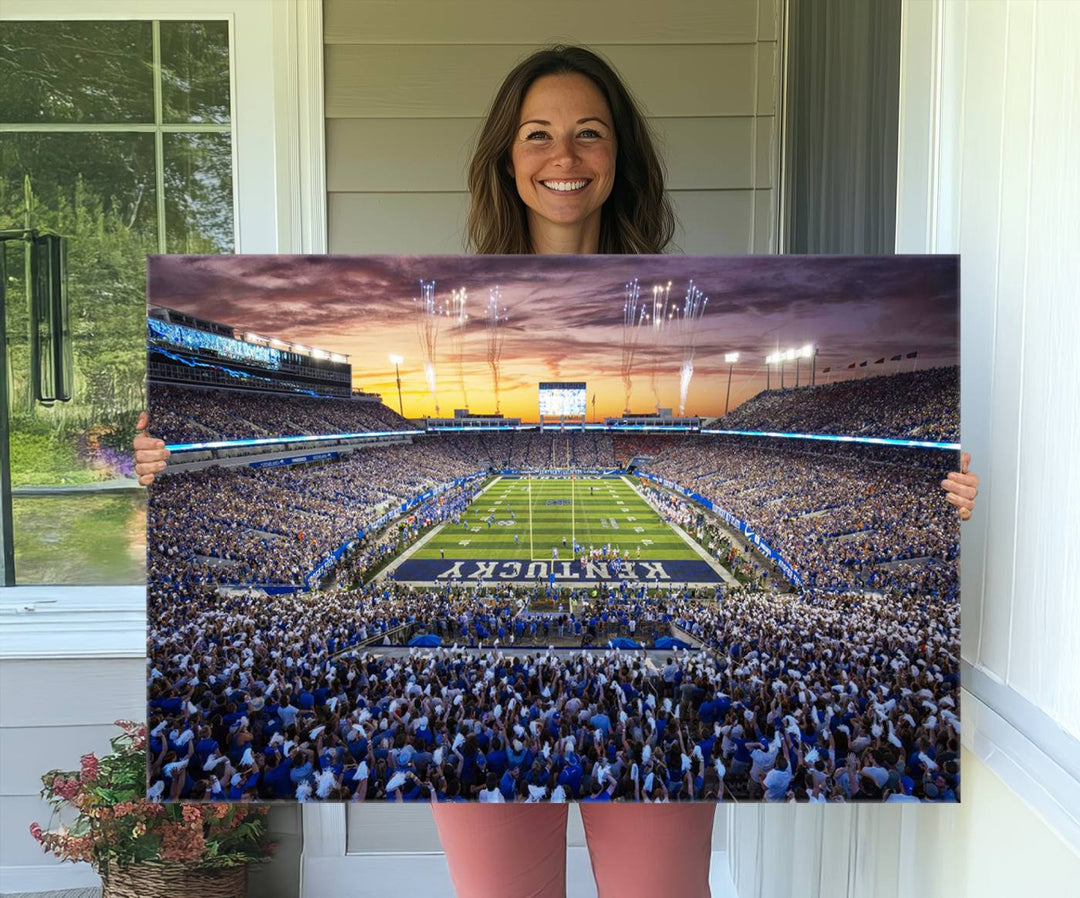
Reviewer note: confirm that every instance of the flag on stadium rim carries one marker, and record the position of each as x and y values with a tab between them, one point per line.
897	357
852	365
863	364
826	370
880	361
913	355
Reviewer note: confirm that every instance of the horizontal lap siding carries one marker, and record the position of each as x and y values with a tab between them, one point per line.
460	80
525	22
710	222
408	84
381	155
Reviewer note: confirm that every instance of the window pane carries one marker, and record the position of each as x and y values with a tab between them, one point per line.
195	71
198	193
112	174
98	191
80	539
76	72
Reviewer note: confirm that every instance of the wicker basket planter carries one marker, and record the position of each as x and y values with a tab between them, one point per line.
142	848
150	880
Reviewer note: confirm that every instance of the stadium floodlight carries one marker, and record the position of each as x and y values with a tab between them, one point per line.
810	352
788	355
731	358
296	347
806	352
396	361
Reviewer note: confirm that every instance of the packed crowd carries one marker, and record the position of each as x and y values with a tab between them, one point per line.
852	518
827	698
498	450
914	405
276	525
560	450
186	415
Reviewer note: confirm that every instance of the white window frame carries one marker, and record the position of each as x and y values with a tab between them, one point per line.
279	200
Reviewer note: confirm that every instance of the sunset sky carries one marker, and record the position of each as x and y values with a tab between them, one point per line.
565	320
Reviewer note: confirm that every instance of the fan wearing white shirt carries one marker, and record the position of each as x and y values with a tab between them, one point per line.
491	795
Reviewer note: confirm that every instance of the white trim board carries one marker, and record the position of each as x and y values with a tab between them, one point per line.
41	622
1052	790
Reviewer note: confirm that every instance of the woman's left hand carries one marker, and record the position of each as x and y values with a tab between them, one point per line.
961	487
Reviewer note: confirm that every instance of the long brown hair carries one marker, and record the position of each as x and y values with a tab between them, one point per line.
637	216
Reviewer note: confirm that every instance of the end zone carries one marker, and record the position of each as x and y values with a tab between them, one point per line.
422	571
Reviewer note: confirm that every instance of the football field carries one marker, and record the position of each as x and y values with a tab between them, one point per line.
524	529
526	519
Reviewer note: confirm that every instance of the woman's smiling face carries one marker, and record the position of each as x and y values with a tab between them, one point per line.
563	155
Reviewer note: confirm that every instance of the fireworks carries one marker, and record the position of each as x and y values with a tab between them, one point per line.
496	321
634	314
661	313
688	320
428	315
456	311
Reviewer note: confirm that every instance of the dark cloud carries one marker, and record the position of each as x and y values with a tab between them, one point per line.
566	312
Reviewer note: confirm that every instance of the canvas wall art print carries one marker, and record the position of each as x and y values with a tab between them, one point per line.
554	528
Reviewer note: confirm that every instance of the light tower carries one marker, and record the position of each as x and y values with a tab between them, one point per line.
731	358
396	361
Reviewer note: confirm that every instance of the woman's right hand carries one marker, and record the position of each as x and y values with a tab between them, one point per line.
150	452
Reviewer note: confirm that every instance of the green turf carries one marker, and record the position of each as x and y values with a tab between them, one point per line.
612	513
83	539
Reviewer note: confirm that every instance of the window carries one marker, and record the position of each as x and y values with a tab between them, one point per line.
118	136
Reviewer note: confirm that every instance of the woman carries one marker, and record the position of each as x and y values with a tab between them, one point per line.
565	164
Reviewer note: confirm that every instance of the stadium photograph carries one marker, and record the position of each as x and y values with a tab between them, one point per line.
554	528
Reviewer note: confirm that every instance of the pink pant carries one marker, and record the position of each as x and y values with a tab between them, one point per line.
519	850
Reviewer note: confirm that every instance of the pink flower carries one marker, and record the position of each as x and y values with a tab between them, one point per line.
150	808
37	832
135	731
181	842
65	788
89	768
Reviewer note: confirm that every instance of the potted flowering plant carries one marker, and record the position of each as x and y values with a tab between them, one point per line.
142	847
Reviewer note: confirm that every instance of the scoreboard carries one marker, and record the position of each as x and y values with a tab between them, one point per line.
562	400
